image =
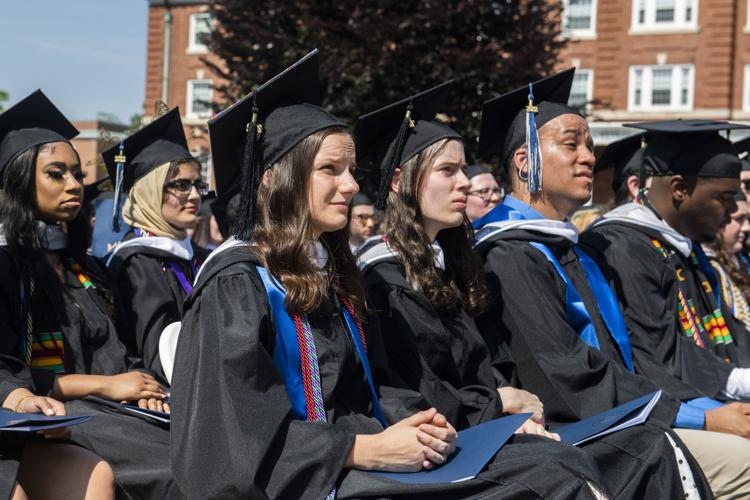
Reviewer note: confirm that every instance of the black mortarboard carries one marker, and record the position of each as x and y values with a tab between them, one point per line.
161	141
31	122
91	192
624	156
256	131
361	199
390	136
474	170
503	128
690	147
743	148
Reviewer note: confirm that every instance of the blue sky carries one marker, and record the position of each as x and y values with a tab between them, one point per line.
88	56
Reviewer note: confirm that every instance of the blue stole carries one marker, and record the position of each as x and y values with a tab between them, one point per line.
576	313
286	352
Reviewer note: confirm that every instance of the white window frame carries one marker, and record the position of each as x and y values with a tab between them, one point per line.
190	113
589	33
746	89
747	17
651	26
194	46
589	85
647	88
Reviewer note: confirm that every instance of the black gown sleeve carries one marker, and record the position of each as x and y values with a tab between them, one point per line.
229	405
527	314
147	304
646	290
417	344
14	373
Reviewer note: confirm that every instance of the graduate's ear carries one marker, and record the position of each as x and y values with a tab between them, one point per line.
679	188
266	180
520	162
395	180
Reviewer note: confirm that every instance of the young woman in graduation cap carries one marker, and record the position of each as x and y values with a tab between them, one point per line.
58	341
423	280
553	309
155	264
273	377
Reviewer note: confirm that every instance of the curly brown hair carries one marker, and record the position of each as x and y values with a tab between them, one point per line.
283	234
462	281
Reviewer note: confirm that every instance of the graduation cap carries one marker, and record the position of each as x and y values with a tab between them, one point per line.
392	135
31	122
474	170
512	119
690	147
743	148
161	141
255	132
361	199
624	156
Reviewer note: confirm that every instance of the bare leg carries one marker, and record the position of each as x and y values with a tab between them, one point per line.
18	493
52	471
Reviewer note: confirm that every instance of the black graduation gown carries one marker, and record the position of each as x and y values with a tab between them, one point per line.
442	354
150	297
137	451
230	407
527	317
646	287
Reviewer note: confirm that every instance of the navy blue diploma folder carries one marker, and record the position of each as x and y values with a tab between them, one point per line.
32	422
155	417
628	415
475	447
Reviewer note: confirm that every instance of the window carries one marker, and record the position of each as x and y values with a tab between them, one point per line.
199	98
579	18
201	26
581	91
746	89
664	15
661	88
204	158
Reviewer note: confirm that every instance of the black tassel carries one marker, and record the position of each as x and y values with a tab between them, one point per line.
251	174
642	174
391	162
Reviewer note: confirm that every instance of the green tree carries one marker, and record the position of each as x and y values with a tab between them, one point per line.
3	97
376	52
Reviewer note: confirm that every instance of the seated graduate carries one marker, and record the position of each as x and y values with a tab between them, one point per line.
59	343
484	194
723	253
155	265
363	222
650	250
550	305
424	281
272	366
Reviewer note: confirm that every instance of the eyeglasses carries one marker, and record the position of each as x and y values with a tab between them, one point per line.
487	193
184	186
365	218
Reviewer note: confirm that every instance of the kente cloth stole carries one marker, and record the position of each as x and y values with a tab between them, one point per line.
693	325
578	316
45	350
296	358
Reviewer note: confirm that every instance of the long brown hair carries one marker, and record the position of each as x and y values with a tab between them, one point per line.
462	280
283	234
736	273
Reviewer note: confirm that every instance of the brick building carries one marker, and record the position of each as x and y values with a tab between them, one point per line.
657	59
636	59
175	72
95	136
